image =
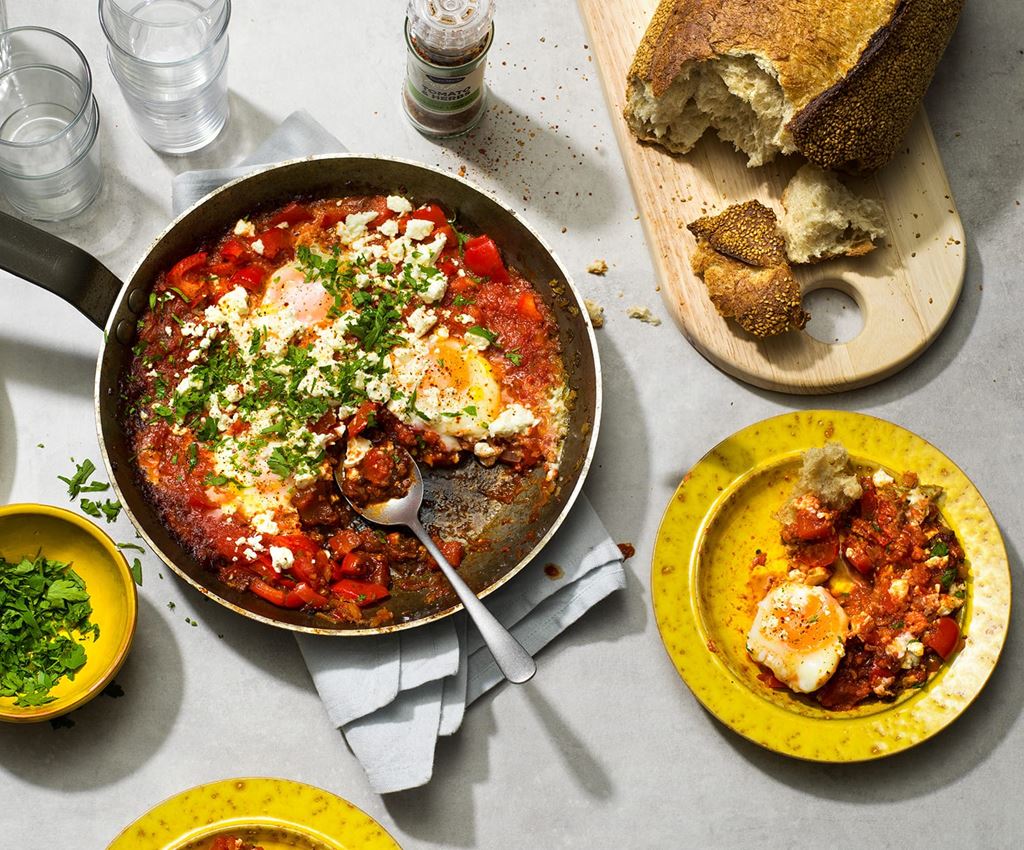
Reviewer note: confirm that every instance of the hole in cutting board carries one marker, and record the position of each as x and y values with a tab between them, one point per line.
835	316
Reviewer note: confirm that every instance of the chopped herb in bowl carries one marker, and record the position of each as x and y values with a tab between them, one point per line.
44	622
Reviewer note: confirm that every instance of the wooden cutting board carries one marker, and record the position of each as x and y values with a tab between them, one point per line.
906	289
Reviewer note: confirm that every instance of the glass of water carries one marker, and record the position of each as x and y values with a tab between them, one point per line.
170	59
49	121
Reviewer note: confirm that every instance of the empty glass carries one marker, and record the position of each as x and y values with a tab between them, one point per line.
49	120
170	59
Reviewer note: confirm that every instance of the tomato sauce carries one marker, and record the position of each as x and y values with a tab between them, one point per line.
909	573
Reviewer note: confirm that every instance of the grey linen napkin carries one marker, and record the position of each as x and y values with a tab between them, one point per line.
392	696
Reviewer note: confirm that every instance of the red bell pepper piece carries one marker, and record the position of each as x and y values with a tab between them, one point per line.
292	214
353	564
343	542
250	278
307	596
184	267
233	250
431	212
945	637
360	420
526	306
274	242
275	595
483	258
363	593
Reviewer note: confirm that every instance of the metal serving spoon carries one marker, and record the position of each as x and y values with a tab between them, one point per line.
514	661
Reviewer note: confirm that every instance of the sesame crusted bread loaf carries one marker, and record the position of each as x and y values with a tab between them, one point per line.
742	259
836	80
825	219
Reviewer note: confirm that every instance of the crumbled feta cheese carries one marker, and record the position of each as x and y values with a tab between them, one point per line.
258	246
514	419
354	226
194	355
477	341
389	227
435	290
419	229
898	589
264	523
186	383
232	393
356	450
398	204
881	478
466	319
421	320
244	227
377	389
281	558
485	451
229	308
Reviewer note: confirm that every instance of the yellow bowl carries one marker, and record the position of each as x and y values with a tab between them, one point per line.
64	536
276	814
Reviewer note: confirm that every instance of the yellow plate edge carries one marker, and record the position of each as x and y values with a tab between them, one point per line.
841	739
215	807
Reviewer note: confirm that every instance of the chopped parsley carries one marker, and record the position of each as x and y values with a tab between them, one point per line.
136	570
79	482
45	617
514	357
108	510
947	578
939	549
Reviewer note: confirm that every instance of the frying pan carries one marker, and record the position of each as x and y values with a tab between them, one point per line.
514	515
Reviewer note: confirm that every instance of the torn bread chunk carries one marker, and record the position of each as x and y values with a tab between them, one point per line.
823	218
837	80
741	258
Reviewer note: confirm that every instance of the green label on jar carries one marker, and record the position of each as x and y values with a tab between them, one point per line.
444	90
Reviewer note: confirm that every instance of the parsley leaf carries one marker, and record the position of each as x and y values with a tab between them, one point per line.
476	330
79	482
136	571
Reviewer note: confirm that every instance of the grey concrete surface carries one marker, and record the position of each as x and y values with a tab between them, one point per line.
606	748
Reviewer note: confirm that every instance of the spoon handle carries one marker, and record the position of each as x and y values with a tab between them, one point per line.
514	661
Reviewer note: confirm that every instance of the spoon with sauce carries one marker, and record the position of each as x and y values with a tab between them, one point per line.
394	498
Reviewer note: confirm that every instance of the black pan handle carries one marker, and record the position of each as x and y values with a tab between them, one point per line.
57	265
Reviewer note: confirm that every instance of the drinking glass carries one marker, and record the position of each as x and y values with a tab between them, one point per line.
49	120
170	59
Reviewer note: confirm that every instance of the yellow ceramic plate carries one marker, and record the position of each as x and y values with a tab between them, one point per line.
63	536
722	514
275	814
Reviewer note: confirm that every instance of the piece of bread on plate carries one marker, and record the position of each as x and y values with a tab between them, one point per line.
742	259
823	218
836	80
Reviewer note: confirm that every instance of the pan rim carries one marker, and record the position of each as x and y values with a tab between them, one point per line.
555	525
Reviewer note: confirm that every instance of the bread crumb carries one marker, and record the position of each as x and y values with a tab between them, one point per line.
595	311
643	314
598	267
